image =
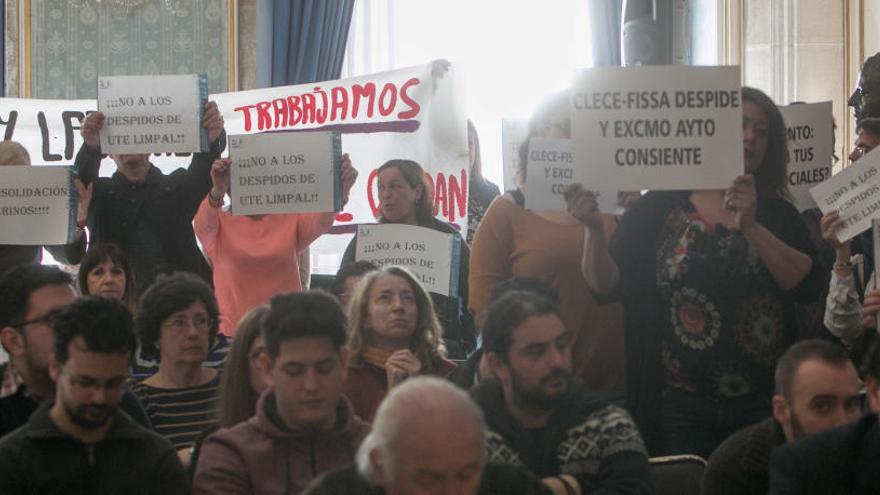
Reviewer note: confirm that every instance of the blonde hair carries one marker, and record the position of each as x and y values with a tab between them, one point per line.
425	342
13	153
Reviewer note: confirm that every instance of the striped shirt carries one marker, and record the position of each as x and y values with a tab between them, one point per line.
180	414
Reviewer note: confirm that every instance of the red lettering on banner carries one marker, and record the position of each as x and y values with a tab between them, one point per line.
450	194
374	205
404	97
458	195
341	104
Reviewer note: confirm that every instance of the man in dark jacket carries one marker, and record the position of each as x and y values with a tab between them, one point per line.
540	418
845	460
304	426
428	437
146	213
81	443
30	298
817	388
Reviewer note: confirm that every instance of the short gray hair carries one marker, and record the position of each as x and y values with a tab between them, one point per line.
416	397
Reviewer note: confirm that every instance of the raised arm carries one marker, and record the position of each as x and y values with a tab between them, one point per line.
207	220
787	265
597	267
88	159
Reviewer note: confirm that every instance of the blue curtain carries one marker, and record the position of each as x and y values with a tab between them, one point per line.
3	53
308	40
605	19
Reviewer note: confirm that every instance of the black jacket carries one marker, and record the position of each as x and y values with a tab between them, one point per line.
164	204
40	458
593	441
741	464
498	479
842	461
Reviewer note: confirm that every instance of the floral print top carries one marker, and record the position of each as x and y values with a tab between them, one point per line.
727	322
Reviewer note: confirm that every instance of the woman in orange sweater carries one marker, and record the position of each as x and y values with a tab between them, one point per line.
549	246
255	256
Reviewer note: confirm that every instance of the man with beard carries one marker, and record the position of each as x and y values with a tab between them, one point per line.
30	298
81	443
541	418
843	460
817	388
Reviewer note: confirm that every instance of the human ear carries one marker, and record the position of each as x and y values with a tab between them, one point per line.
12	341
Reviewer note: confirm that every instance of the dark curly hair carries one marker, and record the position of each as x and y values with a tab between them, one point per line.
168	295
17	285
105	324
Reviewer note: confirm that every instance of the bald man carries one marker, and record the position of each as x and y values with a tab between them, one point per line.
428	437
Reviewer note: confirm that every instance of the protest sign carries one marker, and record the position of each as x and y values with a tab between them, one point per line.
875	235
855	193
149	114
432	256
549	171
513	133
657	127
413	113
37	205
285	172
809	128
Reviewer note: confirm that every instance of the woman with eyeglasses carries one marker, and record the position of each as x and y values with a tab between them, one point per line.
177	322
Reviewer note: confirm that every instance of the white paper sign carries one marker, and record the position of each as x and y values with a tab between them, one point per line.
148	114
550	169
430	255
513	133
809	149
289	172
657	127
37	205
855	193
414	113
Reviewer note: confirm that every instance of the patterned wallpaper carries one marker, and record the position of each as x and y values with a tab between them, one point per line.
73	42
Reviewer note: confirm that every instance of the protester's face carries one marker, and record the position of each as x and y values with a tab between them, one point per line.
106	279
435	456
392	311
90	384
44	303
755	128
397	199
865	142
307	378
538	371
823	396
257	377
185	335
132	164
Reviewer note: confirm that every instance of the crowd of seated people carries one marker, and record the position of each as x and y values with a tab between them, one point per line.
578	345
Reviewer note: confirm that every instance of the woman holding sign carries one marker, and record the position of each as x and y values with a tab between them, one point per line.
709	280
255	256
548	245
393	334
405	197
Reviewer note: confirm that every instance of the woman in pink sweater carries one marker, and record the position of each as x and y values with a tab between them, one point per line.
255	256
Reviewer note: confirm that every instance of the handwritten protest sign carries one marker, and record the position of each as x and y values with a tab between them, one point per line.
810	130
550	169
37	205
513	133
148	114
855	193
285	173
657	127
432	256
414	113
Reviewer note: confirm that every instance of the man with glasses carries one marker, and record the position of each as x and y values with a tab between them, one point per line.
81	442
30	298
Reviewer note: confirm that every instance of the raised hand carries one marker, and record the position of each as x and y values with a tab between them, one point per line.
90	129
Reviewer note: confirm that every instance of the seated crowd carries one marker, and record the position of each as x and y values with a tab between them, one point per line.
577	346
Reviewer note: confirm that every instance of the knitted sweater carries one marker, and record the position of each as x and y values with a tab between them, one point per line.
593	441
